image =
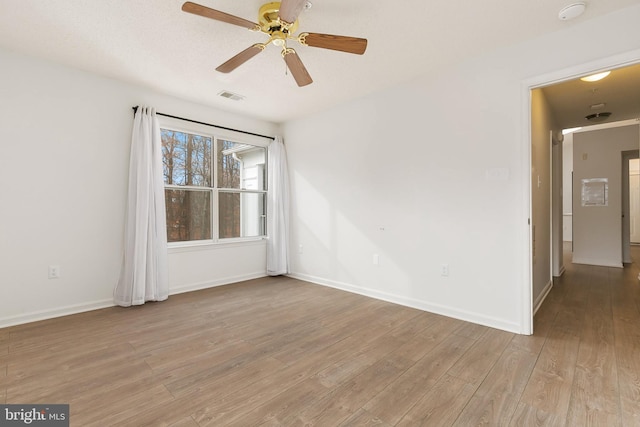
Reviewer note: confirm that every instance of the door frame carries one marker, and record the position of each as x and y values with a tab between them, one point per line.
626	208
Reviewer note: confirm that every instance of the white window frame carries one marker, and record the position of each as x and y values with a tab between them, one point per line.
226	135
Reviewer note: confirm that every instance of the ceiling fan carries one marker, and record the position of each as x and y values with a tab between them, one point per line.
279	20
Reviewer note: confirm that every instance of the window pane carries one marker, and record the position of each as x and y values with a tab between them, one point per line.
240	166
186	158
188	215
241	214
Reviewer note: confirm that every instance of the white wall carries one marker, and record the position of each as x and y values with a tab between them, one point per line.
415	174
65	138
597	230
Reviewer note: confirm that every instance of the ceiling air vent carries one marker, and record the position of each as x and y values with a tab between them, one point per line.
598	117
231	95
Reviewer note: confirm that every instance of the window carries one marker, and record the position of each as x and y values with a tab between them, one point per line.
215	188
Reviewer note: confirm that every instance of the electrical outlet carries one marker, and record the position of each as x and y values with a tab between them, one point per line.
54	272
444	270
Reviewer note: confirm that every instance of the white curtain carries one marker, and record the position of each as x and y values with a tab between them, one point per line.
278	210
144	273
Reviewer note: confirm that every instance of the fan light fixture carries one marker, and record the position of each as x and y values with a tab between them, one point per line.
598	117
595	77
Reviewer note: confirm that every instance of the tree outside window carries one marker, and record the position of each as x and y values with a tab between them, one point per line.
198	196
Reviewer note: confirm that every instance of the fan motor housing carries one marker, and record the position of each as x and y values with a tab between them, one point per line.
269	22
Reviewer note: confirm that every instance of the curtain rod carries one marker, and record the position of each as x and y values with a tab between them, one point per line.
208	124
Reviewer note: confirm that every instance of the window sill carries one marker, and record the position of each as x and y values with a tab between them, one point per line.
178	247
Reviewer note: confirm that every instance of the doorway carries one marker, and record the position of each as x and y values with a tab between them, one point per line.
532	298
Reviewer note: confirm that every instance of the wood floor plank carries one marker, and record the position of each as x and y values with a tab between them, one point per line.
227	410
62	391
549	388
496	400
595	392
225	381
4	342
366	349
119	409
342	401
183	379
362	418
341	371
627	348
529	416
471	330
76	360
441	405
399	396
330	332
185	422
474	365
285	405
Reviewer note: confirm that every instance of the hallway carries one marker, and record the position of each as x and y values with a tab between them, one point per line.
588	371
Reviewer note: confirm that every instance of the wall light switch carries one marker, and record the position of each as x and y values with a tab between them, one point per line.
376	259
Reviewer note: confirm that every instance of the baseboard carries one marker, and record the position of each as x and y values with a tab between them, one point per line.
543	295
96	305
56	312
455	313
213	283
561	272
598	262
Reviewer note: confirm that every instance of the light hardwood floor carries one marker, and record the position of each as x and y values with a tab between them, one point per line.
277	351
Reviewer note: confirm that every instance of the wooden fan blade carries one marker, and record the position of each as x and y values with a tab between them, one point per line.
297	68
197	9
327	41
290	9
241	58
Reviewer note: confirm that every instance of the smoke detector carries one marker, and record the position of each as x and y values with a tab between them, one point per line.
572	11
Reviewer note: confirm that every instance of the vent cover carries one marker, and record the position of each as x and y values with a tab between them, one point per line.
231	95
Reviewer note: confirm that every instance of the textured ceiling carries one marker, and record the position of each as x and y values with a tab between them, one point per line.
155	44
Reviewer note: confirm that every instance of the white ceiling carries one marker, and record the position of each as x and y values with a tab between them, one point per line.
155	44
